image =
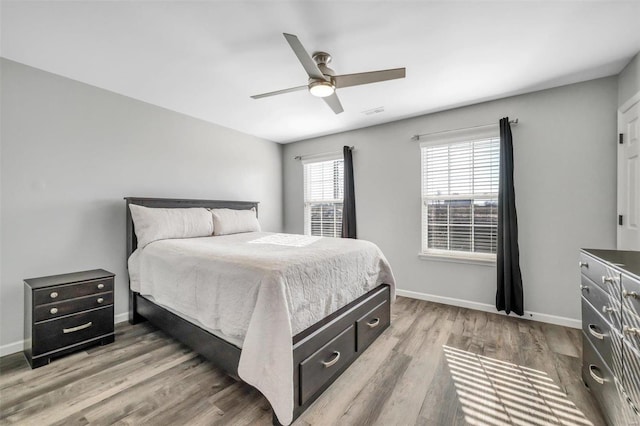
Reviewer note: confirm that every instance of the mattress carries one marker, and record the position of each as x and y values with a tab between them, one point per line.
259	289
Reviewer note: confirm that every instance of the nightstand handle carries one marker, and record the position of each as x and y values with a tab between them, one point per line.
100	286
53	295
100	300
583	264
53	311
78	328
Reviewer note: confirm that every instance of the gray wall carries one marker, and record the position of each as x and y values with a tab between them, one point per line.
629	80
565	159
70	152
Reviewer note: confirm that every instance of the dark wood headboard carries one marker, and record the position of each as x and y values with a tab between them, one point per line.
132	241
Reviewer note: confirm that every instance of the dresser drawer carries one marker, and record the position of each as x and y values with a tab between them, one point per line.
601	336
371	325
58	333
63	292
631	328
327	362
607	278
631	294
71	306
603	302
607	390
631	377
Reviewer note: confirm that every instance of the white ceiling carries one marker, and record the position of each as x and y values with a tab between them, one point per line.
205	59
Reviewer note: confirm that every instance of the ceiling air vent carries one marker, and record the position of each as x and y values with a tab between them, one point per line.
372	111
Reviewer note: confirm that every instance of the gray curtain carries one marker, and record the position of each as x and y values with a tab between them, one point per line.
349	202
509	297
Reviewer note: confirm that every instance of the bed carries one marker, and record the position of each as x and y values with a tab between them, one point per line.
311	353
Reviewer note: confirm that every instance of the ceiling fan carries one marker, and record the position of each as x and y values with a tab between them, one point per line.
322	80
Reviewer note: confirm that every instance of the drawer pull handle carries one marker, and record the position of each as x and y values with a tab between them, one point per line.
53	295
53	311
610	280
374	323
78	328
336	357
583	264
631	330
607	309
584	288
593	329
100	286
597	378
632	294
100	300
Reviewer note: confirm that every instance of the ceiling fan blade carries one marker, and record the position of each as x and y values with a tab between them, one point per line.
334	103
305	59
348	80
280	92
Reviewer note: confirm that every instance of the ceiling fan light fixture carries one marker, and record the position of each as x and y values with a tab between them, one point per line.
321	88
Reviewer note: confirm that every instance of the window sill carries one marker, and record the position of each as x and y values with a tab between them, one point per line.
457	259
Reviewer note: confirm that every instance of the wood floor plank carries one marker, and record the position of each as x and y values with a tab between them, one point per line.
435	365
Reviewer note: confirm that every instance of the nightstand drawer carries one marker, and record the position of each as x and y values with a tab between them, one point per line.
63	292
71	306
61	332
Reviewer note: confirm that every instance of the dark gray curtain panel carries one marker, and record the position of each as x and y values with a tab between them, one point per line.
509	297
349	202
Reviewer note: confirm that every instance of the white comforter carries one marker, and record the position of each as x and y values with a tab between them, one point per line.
261	289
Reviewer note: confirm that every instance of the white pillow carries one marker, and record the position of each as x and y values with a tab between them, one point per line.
229	221
153	224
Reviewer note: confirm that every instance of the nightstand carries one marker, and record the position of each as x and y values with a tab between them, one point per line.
65	313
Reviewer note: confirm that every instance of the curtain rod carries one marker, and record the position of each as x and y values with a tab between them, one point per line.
319	154
513	122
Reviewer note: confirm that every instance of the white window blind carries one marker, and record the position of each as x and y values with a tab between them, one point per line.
323	195
460	198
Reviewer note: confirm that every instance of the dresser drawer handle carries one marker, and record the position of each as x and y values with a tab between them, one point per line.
607	309
593	329
53	311
100	286
597	378
78	328
583	264
374	323
100	300
584	288
610	280
632	294
336	357
631	330
53	295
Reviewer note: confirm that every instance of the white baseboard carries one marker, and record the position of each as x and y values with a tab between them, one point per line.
121	318
12	348
534	316
18	346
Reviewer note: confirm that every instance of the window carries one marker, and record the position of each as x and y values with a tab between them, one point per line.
460	197
323	194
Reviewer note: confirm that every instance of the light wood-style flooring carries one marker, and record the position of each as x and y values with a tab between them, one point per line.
435	365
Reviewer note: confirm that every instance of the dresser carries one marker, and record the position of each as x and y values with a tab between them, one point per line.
610	287
65	313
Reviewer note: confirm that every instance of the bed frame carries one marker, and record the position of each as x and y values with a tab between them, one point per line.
320	353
